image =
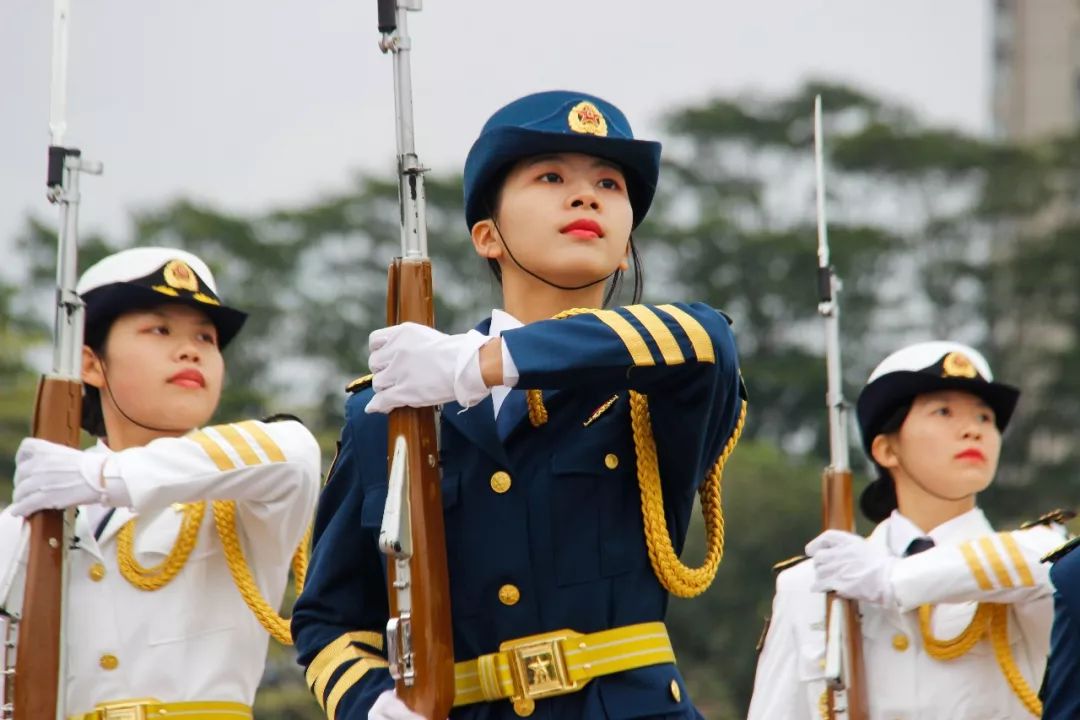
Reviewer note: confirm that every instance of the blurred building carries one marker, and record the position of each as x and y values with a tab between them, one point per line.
1036	67
1035	56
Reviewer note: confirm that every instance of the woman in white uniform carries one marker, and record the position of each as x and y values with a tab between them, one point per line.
955	616
184	533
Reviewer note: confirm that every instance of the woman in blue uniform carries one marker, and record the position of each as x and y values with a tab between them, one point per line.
573	439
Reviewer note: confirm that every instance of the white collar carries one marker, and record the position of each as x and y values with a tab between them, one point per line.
501	321
899	531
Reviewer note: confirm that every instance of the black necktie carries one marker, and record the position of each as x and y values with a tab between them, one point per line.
917	545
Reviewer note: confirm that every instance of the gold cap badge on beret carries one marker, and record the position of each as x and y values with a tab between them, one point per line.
587	119
178	275
957	364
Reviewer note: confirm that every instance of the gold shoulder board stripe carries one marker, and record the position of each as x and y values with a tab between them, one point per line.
1058	515
211	448
255	430
991	552
360	383
640	354
1017	558
975	565
239	444
699	339
789	563
669	346
1062	551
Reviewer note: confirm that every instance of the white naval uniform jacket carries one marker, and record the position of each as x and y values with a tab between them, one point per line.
969	563
194	639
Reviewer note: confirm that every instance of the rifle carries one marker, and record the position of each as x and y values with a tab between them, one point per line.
418	635
844	670
38	682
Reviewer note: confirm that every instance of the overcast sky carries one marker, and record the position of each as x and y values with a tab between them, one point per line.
249	103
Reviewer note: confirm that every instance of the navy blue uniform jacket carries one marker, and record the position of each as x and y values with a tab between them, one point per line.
1061	685
568	533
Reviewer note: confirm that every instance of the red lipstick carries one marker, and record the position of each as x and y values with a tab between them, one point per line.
971	454
587	229
189	378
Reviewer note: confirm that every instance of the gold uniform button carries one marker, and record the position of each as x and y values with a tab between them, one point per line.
97	572
500	482
524	707
509	595
611	461
109	662
676	693
900	642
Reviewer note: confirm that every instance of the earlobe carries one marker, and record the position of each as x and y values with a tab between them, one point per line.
92	373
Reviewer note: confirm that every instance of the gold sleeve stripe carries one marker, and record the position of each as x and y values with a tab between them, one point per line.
348	654
211	448
239	444
327	654
262	437
699	339
346	681
1018	560
976	567
669	346
990	550
635	344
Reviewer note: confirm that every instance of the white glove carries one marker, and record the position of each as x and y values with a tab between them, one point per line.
418	366
52	476
388	707
851	566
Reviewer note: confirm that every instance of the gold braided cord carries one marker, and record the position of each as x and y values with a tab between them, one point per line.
823	705
160	575
225	521
678	579
999	638
954	647
538	414
990	619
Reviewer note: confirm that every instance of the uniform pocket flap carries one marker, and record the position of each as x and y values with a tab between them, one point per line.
655	691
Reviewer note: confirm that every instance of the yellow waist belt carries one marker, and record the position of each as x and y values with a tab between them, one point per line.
558	663
151	709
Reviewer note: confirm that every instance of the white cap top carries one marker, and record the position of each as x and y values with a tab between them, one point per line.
920	356
135	263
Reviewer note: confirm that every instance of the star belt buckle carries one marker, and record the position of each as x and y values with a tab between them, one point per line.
135	709
538	666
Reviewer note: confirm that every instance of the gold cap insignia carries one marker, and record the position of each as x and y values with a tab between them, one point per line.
178	275
586	118
957	365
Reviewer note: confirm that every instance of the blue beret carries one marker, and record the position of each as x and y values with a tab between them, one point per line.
554	122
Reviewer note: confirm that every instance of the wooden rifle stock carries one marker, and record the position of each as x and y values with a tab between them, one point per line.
57	413
409	299
838	514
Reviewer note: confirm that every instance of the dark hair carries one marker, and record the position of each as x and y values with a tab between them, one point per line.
878	499
491	197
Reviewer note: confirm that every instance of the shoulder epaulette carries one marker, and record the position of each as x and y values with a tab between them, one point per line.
1059	516
281	417
361	383
789	563
1065	549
